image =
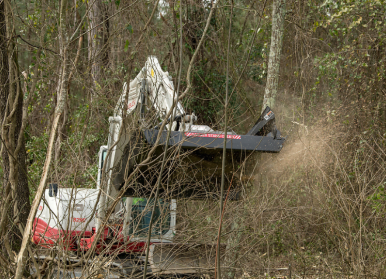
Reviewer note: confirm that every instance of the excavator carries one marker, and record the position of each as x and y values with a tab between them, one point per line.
69	219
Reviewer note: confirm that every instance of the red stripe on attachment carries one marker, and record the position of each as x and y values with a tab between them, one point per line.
219	136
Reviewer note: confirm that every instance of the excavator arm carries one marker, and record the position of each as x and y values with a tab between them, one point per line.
152	87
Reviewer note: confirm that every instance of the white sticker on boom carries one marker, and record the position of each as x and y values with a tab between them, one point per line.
268	115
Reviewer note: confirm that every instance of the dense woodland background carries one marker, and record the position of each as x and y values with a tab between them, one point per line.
318	205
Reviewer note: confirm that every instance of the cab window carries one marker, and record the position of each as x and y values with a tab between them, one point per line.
141	215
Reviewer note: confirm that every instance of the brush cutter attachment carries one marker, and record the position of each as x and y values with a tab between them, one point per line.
263	137
194	162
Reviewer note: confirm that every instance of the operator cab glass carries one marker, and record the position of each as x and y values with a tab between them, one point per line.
104	153
141	214
102	157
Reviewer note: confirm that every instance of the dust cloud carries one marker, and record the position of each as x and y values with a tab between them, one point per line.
307	147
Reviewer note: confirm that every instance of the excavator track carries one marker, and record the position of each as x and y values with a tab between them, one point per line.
166	260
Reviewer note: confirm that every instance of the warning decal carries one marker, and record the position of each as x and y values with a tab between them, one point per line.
220	136
268	115
131	104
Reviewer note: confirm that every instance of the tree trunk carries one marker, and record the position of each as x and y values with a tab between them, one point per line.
62	96
278	16
15	180
97	42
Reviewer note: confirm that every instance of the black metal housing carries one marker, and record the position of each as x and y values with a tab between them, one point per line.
263	137
196	171
53	189
244	143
